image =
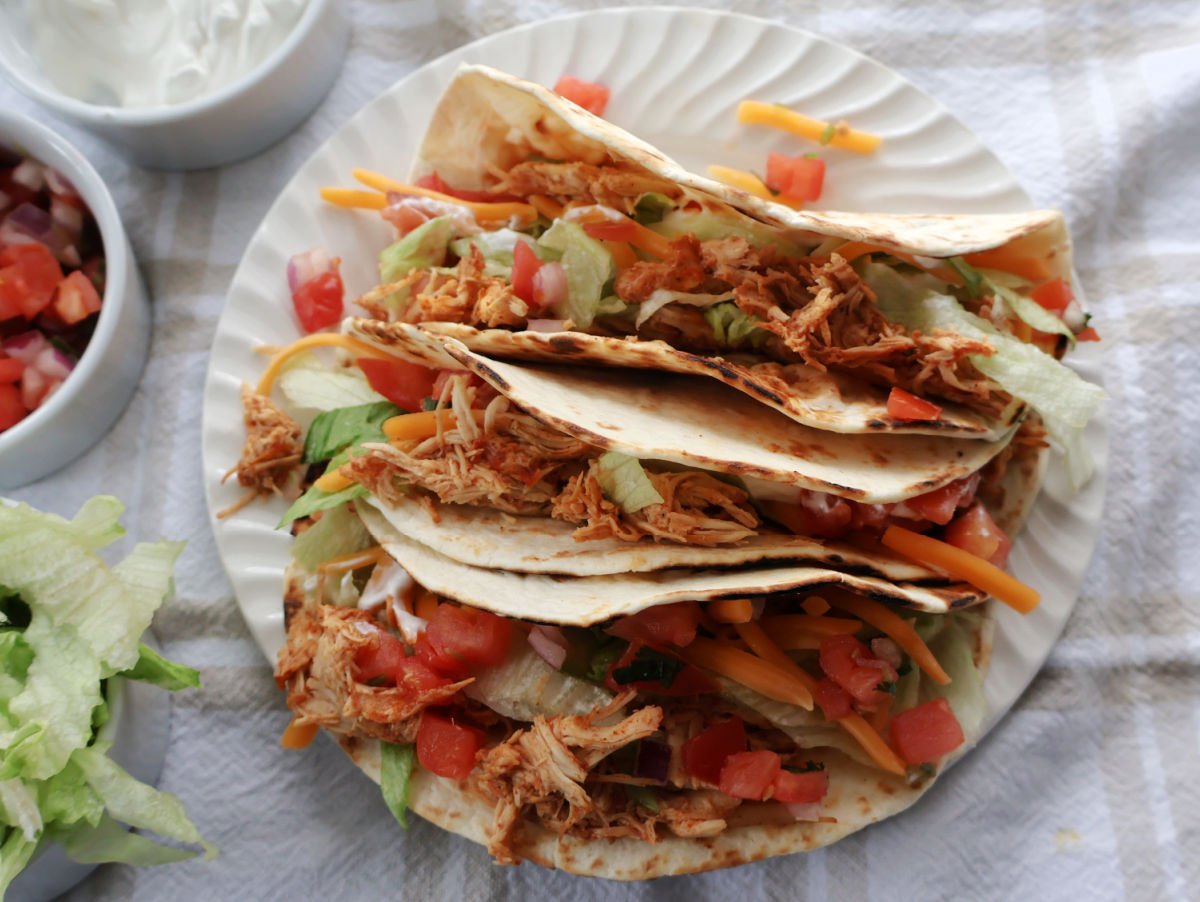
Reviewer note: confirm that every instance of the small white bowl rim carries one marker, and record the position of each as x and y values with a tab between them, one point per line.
95	114
17	128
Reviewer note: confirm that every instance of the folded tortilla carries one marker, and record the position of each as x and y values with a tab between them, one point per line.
488	122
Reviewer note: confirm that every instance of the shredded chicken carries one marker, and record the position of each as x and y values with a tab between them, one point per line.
697	509
611	185
468	296
545	766
316	667
273	450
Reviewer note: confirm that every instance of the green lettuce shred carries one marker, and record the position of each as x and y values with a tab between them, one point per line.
422	248
588	266
707	225
625	483
153	668
733	328
1024	307
339	532
397	765
336	430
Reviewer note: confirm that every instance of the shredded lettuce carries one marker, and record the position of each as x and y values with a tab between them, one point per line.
954	651
336	430
1026	309
588	266
397	763
338	532
625	483
497	248
660	297
525	686
315	500
311	384
423	247
706	225
1061	397
733	328
153	668
78	624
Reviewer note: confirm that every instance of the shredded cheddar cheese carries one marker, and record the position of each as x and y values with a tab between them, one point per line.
754	112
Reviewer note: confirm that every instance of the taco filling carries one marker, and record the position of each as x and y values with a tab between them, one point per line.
684	720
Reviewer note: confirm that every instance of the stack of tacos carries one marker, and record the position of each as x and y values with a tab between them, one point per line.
680	563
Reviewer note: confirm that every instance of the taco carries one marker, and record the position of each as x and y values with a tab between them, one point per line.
621	740
846	322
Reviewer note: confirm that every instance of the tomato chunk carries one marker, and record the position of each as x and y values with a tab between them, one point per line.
10	370
749	775
404	384
975	531
414	676
318	301
1055	295
589	95
446	747
76	299
12	411
800	178
850	664
705	754
1088	334
835	701
667	624
461	640
379	658
939	505
525	266
926	732
30	274
902	405
802	788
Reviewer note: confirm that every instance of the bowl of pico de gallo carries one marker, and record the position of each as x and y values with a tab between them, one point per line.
74	319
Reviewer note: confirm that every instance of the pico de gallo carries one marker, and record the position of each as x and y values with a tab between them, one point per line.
51	283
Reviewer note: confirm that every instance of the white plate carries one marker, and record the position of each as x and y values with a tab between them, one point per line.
676	77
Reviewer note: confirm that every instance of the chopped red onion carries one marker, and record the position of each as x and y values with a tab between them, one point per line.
69	216
307	265
550	644
547	325
53	363
653	761
70	256
59	184
550	287
804	811
30	174
25	347
33	386
26	223
888	650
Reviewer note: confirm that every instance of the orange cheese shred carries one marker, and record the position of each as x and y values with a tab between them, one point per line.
490	211
895	627
750	670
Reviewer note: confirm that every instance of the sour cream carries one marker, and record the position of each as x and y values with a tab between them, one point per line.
146	53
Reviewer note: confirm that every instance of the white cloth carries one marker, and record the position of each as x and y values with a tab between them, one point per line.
1090	789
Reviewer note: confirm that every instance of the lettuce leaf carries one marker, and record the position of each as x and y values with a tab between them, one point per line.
107	841
311	384
153	668
954	651
588	266
338	533
422	248
1061	397
315	500
397	763
497	248
336	430
1026	309
625	483
733	328
660	297
707	225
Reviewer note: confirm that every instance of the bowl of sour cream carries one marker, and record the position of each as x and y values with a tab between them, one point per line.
177	84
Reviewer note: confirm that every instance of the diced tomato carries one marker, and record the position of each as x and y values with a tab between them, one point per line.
318	301
870	517
802	788
525	266
589	95
688	680
461	640
835	701
550	288
975	531
749	775
404	384
379	658
830	518
415	676
31	273
850	664
76	299
612	229
1088	334
667	624
800	178
10	370
12	411
902	405
705	753
446	747
939	505
1055	295
926	732
404	217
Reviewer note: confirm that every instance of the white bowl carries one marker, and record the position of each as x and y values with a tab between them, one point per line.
234	122
139	728
93	396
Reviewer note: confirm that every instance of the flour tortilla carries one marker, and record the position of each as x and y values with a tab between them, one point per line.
487	121
858	796
701	423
